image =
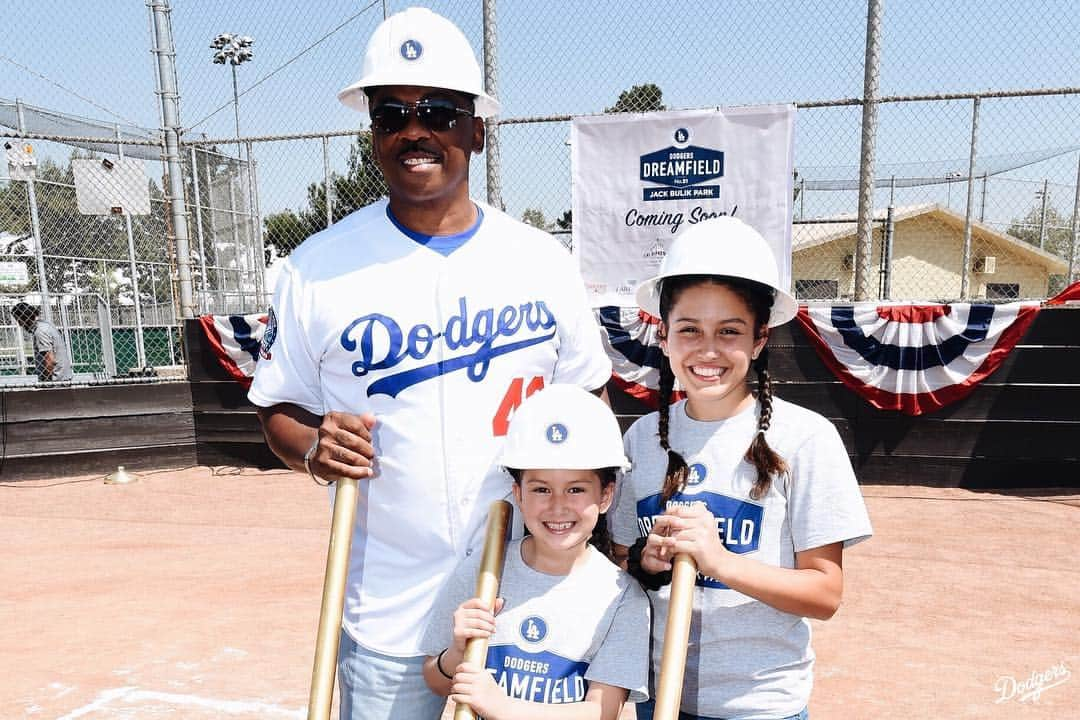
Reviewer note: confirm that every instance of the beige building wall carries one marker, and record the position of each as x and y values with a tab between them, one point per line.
926	260
927	254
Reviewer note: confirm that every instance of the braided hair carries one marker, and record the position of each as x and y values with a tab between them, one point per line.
759	299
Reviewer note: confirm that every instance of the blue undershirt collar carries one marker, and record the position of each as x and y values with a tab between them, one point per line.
442	244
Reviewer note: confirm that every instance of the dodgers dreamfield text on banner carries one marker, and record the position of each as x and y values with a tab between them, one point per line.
641	178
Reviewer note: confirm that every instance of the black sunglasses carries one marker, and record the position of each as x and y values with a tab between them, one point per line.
435	114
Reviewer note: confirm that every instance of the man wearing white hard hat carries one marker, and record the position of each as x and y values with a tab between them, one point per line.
399	343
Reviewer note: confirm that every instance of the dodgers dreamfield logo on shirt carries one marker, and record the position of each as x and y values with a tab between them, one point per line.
542	677
738	522
382	343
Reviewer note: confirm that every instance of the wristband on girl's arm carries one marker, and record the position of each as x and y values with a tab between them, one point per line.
649	581
438	664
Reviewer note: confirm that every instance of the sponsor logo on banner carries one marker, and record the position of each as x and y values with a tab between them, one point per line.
738	522
655	253
683	169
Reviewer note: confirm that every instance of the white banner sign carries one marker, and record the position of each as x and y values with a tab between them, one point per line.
640	179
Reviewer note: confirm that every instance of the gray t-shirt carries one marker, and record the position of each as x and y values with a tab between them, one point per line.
47	339
556	633
746	659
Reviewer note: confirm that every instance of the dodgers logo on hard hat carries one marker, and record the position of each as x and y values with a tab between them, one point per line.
411	50
556	433
533	629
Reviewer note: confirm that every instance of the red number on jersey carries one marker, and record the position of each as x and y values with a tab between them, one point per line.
514	396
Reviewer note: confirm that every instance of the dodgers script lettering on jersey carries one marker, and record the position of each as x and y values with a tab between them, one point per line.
541	677
738	522
382	343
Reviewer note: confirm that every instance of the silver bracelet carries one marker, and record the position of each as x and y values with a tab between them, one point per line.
307	461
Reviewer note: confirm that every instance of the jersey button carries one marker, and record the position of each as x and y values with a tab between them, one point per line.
468	552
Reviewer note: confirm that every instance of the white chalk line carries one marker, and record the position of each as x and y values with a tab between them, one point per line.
131	694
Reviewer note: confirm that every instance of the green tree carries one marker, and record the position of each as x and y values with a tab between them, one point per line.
640	98
1057	229
535	217
362	184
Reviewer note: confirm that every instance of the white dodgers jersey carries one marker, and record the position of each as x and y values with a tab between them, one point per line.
441	346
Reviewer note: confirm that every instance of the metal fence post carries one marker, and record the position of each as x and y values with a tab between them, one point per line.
1042	214
108	352
220	284
1075	225
170	116
494	184
35	228
864	243
258	249
198	227
982	205
238	250
140	348
326	181
140	343
887	243
965	258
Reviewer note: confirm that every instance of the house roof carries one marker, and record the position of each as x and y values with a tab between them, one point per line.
808	235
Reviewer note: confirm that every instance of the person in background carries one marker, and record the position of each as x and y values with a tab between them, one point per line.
51	359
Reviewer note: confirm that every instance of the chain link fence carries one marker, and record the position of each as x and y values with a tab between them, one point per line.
267	156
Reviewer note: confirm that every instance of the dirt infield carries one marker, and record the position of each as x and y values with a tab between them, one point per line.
195	594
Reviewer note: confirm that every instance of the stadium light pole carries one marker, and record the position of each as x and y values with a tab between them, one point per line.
234	50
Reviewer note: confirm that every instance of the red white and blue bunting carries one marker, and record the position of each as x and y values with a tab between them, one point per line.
908	358
912	359
630	337
915	358
235	341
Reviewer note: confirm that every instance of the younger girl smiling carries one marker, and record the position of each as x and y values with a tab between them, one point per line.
569	641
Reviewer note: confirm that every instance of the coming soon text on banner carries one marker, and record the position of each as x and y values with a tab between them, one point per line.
641	178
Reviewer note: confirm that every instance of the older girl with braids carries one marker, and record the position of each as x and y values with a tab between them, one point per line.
760	492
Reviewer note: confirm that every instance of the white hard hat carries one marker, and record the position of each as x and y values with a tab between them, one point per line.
721	246
422	48
563	427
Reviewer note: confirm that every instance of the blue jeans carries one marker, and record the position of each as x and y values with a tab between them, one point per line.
374	686
645	712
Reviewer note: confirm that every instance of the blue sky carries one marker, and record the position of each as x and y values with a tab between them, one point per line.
575	57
